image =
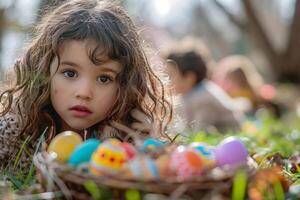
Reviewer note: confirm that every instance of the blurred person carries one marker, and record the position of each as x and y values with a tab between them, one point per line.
204	104
238	76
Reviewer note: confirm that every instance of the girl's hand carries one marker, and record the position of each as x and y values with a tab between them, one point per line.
142	125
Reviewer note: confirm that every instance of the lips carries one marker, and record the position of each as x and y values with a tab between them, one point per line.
80	111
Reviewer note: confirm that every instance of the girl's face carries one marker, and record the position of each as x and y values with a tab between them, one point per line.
83	93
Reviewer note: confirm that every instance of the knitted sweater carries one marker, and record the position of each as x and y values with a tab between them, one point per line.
11	145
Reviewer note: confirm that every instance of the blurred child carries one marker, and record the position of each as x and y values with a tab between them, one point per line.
86	71
205	105
238	76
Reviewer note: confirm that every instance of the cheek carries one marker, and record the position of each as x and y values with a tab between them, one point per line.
109	98
57	89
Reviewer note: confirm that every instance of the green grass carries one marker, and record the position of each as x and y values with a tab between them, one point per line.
263	135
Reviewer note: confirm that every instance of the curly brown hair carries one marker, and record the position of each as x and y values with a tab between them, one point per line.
114	31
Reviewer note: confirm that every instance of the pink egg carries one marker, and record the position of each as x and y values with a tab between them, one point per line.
186	163
129	149
231	151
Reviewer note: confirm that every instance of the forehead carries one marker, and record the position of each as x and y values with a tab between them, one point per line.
82	53
83	47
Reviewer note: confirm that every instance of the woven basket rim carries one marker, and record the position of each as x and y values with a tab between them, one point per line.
48	167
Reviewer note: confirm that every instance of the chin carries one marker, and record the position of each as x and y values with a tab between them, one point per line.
77	128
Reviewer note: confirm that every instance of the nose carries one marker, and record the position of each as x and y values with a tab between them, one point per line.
84	90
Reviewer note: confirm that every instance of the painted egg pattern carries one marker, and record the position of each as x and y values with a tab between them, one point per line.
151	144
186	163
206	152
143	167
108	158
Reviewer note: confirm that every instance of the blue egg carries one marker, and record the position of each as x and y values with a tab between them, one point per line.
151	144
83	152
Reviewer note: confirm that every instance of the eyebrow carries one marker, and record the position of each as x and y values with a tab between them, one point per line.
105	69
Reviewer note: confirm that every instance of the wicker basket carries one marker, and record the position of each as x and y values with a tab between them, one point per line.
55	176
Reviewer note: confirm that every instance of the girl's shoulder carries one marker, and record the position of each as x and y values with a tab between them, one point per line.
10	130
10	125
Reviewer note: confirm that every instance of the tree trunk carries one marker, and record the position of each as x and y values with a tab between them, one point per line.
286	64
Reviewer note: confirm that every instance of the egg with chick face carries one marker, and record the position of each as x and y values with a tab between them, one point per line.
109	158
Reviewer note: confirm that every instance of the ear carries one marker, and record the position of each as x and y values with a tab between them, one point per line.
190	78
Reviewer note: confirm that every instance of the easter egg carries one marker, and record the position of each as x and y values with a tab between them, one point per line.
205	151
109	157
162	163
142	167
129	149
231	151
63	145
186	163
150	144
83	152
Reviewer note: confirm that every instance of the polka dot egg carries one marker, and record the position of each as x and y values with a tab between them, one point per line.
186	163
109	157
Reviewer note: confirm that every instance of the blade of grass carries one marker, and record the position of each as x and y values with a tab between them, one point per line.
278	190
17	183
31	170
20	152
239	186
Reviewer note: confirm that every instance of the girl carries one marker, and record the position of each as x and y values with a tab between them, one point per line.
85	71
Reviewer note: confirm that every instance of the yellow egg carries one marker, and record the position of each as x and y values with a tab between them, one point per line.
63	145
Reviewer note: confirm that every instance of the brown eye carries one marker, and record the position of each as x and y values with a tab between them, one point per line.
104	79
70	74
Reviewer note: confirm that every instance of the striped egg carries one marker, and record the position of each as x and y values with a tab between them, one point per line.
109	158
142	167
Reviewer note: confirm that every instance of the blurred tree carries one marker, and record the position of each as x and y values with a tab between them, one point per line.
285	62
4	24
44	4
2	28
